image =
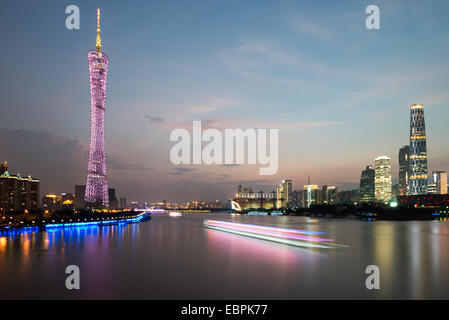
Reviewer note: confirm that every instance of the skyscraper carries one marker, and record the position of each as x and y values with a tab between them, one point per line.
284	194
382	179
439	181
404	169
418	151
367	185
80	192
329	195
311	195
97	185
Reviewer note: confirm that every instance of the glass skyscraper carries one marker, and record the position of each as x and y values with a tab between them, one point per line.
284	194
311	195
97	184
367	185
382	179
418	151
404	169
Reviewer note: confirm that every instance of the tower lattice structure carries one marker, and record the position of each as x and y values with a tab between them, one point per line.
97	185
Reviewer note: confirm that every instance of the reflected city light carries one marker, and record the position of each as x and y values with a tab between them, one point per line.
3	243
175	214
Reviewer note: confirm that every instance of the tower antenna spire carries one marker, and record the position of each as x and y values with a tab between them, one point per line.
98	44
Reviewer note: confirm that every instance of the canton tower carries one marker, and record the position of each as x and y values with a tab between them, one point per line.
418	151
97	185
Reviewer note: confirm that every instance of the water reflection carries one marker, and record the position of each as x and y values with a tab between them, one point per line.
179	258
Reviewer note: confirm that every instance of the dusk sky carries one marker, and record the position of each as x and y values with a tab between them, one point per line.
338	93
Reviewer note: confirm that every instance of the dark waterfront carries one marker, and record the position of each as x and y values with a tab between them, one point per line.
178	258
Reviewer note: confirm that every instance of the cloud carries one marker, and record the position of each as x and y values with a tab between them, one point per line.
311	28
265	60
262	60
58	162
154	119
117	165
210	106
254	123
180	171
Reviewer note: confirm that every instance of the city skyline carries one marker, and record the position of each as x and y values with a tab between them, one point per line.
331	138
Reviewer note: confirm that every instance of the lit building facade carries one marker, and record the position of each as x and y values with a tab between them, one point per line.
367	189
284	194
247	199
404	169
63	201
418	151
438	182
97	186
18	193
296	199
311	195
382	179
329	195
425	201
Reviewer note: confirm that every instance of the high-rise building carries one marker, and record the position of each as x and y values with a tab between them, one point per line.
18	193
348	197
438	182
80	192
404	169
395	191
284	194
311	195
382	179
97	185
239	190
418	151
112	198
367	190
296	199
432	187
329	195
123	203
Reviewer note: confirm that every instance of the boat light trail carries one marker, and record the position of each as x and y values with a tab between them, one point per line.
260	227
281	235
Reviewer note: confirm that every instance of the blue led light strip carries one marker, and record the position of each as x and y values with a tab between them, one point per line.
103	222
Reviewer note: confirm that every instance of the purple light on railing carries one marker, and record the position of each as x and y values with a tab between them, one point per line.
97	184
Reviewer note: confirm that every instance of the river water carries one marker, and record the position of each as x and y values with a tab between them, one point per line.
179	258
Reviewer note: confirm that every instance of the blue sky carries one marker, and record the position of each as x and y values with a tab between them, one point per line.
339	93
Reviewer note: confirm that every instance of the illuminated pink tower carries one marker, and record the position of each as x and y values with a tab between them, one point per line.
97	185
